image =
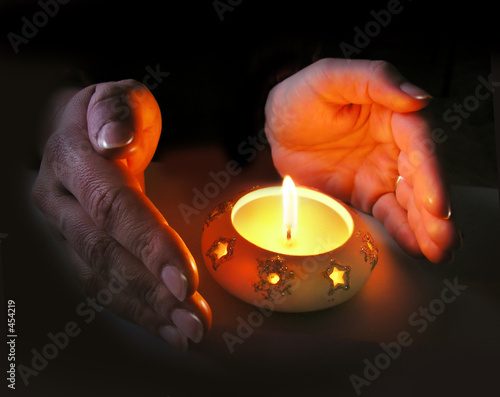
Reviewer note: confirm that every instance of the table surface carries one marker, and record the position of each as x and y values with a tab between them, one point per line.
388	307
450	340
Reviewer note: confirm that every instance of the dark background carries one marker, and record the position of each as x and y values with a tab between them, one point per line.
220	72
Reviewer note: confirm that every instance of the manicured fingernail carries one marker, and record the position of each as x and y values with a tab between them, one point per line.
414	91
189	324
114	135
174	337
175	281
448	214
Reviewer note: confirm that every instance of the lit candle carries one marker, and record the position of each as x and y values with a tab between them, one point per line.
321	225
292	247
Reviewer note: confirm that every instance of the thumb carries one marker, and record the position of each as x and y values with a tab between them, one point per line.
124	122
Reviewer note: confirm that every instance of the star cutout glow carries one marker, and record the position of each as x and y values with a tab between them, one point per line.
221	251
338	276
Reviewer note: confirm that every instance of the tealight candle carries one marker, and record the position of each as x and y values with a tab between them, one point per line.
294	249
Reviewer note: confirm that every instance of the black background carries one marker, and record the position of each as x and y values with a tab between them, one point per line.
220	72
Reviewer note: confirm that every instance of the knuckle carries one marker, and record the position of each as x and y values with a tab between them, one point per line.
148	246
99	252
381	67
105	202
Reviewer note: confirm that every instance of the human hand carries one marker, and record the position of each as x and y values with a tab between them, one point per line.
90	190
351	128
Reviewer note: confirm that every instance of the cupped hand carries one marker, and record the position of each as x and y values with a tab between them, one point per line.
90	190
352	129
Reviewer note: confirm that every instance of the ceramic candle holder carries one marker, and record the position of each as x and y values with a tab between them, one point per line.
328	259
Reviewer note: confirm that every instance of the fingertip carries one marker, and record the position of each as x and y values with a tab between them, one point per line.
442	232
176	281
390	88
415	92
188	324
437	203
179	272
407	241
430	189
174	337
204	309
114	123
114	135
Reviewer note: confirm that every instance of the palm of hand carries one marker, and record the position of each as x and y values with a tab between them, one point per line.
347	151
349	129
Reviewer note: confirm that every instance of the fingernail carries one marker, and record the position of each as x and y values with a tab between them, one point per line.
114	135
175	281
448	214
174	337
189	324
414	91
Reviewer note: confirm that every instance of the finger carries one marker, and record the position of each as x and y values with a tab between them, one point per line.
119	281
405	169
131	300
126	305
442	232
102	254
124	122
112	198
430	249
430	191
365	82
370	182
388	211
411	134
403	193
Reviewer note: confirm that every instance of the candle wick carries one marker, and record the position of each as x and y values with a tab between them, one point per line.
289	233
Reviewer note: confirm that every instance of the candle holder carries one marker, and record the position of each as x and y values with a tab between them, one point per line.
327	261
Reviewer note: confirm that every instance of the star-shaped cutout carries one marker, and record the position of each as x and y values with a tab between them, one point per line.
337	276
221	251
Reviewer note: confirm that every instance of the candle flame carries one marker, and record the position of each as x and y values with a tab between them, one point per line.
289	209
